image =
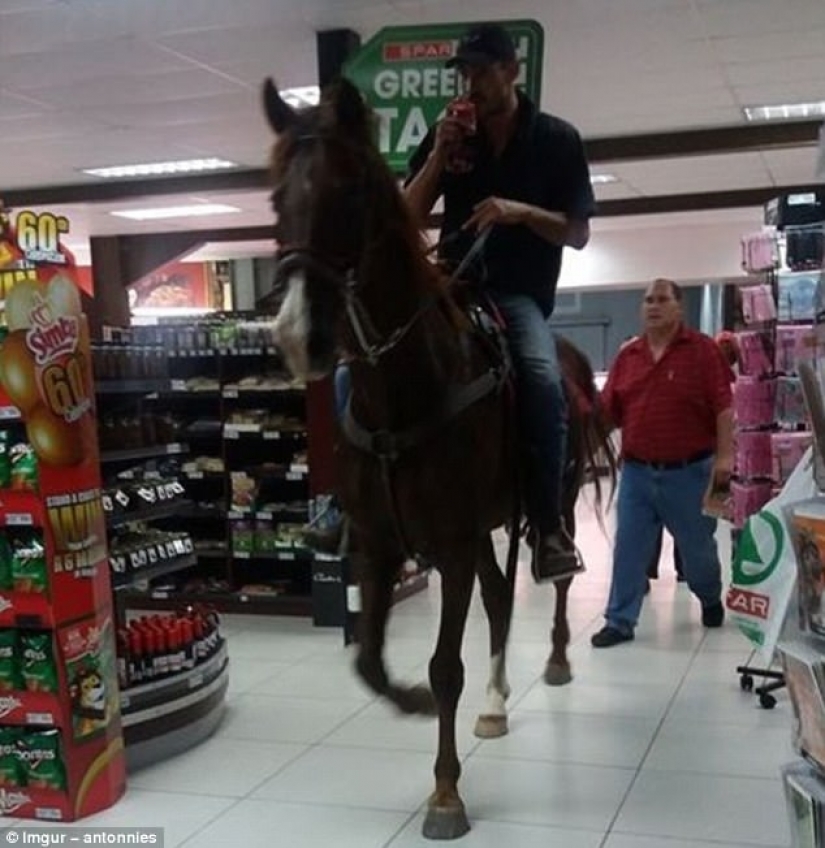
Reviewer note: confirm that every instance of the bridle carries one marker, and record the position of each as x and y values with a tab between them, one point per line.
345	275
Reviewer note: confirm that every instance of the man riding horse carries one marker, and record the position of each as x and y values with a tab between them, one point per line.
524	174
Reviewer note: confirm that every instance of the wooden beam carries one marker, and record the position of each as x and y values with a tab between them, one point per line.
703	142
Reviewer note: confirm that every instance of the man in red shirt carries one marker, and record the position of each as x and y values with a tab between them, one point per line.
669	392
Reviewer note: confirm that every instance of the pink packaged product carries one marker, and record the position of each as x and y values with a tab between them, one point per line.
790	402
748	498
756	354
759	252
754	401
753	456
758	304
794	344
787	449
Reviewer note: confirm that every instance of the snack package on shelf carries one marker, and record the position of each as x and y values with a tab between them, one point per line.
758	305
794	343
756	352
754	402
753	456
759	252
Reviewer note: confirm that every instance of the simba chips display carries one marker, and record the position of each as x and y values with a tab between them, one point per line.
10	678
6	576
28	565
12	774
23	467
5	460
39	671
42	761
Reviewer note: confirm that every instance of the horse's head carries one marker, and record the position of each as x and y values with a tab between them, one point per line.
320	172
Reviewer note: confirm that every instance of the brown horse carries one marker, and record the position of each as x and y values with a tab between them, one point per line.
427	462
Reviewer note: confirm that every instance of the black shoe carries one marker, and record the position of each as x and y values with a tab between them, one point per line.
713	615
608	636
326	541
554	558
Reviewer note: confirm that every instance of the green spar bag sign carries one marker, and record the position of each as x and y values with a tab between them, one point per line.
401	73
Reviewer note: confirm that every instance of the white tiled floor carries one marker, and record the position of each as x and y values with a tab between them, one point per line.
652	745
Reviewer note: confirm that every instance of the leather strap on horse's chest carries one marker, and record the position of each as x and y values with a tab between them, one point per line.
387	446
390	445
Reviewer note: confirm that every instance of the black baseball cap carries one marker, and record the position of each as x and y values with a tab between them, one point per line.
484	44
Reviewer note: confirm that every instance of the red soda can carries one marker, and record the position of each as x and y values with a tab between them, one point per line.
463	111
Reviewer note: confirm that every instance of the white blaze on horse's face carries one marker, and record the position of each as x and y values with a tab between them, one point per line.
293	325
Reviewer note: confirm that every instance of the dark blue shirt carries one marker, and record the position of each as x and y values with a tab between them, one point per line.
544	165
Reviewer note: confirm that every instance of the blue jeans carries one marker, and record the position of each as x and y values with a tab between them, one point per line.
342	384
542	407
647	500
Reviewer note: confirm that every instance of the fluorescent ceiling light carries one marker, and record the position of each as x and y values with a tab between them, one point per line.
298	98
602	179
785	111
194	211
154	169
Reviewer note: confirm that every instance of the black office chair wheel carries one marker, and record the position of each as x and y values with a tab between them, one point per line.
746	683
767	701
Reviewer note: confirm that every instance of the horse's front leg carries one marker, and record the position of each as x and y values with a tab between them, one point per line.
377	580
446	818
497	596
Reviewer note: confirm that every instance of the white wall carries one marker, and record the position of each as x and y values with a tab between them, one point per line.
691	248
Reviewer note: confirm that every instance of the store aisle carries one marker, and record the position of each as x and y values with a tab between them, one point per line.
652	745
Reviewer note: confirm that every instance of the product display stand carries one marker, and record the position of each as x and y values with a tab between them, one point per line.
777	311
62	752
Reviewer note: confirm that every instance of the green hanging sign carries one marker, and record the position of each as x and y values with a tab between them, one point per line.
401	73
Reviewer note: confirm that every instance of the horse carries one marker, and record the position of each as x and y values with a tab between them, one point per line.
427	459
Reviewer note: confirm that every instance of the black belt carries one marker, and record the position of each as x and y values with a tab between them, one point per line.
670	466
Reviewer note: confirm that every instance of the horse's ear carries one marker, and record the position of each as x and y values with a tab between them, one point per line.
349	111
279	113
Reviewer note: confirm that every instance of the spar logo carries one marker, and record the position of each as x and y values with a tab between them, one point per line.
759	550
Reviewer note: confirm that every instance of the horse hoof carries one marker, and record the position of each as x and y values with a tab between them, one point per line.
557	675
445	823
417	700
491	726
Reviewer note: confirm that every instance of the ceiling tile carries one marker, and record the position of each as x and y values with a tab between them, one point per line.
75	64
777	71
758	48
725	18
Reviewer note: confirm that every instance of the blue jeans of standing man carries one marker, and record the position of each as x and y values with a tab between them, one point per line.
542	407
649	498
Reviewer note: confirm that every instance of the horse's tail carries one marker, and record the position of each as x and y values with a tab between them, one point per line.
590	442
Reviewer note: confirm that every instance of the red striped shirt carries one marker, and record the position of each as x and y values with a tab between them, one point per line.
667	410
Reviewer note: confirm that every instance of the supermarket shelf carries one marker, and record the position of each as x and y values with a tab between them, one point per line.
135	454
166	509
297	605
158	732
211	553
126	581
136	699
131	387
286	555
